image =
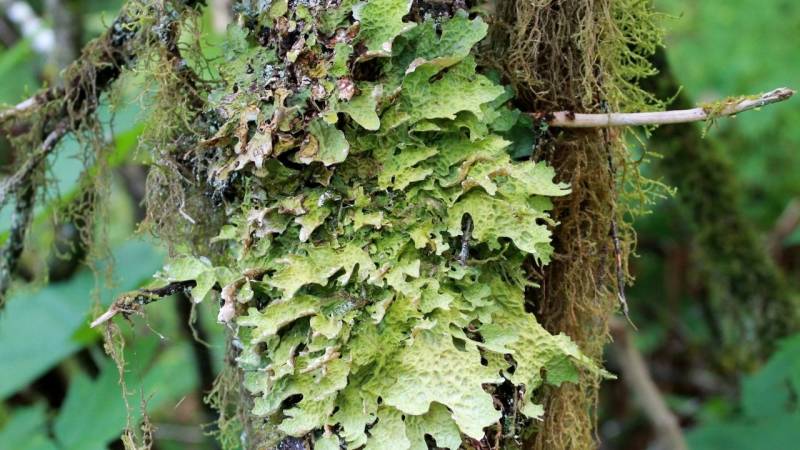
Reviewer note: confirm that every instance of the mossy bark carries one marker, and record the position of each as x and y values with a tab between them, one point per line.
583	56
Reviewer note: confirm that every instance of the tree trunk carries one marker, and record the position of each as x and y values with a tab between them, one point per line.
573	56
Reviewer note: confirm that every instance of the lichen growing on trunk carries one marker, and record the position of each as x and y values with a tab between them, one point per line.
371	266
357	187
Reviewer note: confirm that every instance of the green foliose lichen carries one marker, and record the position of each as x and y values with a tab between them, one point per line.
373	271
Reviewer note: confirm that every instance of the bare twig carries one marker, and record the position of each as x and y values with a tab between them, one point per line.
66	109
88	77
569	119
132	301
13	182
30	103
21	185
619	268
788	221
636	375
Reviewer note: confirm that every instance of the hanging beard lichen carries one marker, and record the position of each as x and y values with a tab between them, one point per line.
371	269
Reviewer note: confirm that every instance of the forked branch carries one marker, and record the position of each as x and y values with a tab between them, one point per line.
569	119
131	302
11	183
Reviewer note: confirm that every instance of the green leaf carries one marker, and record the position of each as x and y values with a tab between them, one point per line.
353	415
331	18
186	268
27	430
341	58
776	433
514	332
315	386
307	415
94	412
315	214
278	8
327	442
400	167
389	433
278	315
450	44
458	89
59	311
438	424
19	72
362	108
773	388
769	416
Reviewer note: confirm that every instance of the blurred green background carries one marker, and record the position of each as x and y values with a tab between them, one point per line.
58	389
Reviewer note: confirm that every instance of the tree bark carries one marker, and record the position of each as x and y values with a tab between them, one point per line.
562	56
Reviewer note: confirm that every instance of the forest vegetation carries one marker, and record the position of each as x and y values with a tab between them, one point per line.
398	224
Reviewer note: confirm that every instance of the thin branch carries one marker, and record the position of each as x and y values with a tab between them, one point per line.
66	109
569	119
619	268
12	250
21	185
133	301
22	175
636	375
101	63
31	103
787	222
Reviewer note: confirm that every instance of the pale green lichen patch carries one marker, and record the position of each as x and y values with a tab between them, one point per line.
362	109
381	21
325	144
458	89
432	369
496	218
368	312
